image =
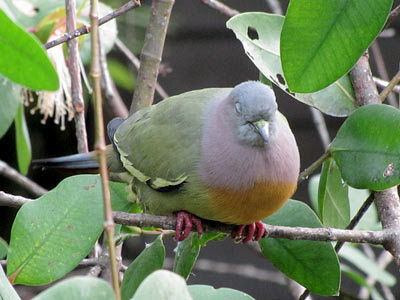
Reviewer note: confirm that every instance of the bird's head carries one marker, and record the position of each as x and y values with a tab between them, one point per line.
255	110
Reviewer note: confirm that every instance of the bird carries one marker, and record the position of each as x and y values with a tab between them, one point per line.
220	154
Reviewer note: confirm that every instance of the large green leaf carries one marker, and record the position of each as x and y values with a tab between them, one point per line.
163	285
7	292
23	59
78	288
367	148
312	264
188	250
333	201
335	100
207	292
50	236
150	260
10	99
367	265
322	40
23	142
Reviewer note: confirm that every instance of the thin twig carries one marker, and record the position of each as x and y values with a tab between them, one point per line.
12	200
220	7
136	63
86	28
76	84
320	124
381	67
95	72
393	15
383	83
275	6
151	54
114	100
386	91
314	166
12	174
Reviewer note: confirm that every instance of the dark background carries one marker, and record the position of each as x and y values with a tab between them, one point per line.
202	53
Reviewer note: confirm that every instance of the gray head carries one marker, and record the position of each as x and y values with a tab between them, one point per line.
255	109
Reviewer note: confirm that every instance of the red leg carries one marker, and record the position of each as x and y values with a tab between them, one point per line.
184	224
255	231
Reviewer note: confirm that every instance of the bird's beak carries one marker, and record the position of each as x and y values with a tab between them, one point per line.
262	127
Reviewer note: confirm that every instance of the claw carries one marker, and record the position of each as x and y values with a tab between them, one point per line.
184	224
255	231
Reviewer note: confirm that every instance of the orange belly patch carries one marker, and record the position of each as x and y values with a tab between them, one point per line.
250	205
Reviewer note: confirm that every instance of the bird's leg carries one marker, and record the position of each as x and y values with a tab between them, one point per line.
252	233
184	224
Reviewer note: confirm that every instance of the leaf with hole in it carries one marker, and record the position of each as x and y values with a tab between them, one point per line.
260	36
10	99
367	265
23	59
163	284
51	235
207	292
23	141
150	260
322	40
333	200
7	292
312	264
367	148
188	250
77	288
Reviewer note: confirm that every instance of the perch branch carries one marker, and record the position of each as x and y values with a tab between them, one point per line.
95	73
86	28
136	63
387	201
220	7
12	174
150	57
76	84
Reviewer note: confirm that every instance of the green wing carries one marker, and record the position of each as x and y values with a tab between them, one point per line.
160	145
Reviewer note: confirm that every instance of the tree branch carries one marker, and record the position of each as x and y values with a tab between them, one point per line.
12	200
387	201
386	91
150	57
12	174
383	83
86	28
220	7
315	165
76	84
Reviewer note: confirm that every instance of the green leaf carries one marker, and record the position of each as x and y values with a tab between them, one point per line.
3	248
207	292
367	265
333	201
24	153
163	285
50	236
312	264
23	59
150	260
10	98
357	277
322	40
78	288
119	197
188	251
367	148
7	292
336	100
121	74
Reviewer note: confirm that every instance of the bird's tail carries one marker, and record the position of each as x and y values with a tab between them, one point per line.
82	161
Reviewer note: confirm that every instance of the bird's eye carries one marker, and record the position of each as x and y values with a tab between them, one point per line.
238	108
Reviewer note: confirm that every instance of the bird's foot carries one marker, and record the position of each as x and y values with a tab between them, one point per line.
184	224
255	231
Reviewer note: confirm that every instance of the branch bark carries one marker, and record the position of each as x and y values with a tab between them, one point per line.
86	28
150	56
387	201
220	7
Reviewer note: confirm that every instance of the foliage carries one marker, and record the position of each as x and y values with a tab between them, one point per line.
307	54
